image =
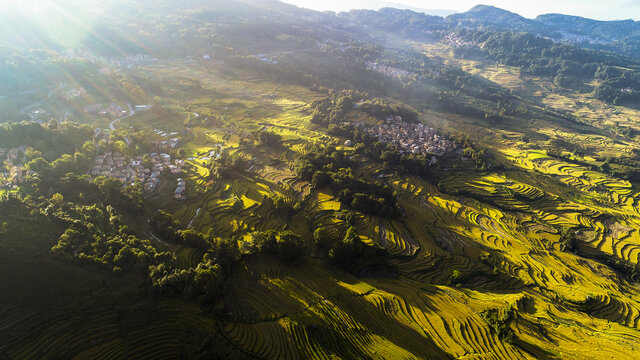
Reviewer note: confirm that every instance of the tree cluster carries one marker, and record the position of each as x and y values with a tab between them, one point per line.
618	75
330	167
97	235
347	251
48	141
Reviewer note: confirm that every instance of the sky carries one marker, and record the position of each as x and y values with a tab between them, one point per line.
595	9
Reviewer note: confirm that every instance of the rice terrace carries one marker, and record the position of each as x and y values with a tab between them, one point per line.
249	179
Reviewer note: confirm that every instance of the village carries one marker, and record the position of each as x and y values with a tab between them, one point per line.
146	169
411	138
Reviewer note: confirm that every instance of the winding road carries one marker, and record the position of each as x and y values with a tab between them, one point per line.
25	109
131	113
194	217
158	239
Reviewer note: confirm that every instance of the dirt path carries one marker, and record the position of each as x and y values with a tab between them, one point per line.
194	217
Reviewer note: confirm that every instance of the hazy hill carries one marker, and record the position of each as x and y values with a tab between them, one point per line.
610	30
434	12
485	14
619	36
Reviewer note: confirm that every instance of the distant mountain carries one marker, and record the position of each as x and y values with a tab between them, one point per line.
88	30
606	30
618	36
434	12
489	14
405	23
546	24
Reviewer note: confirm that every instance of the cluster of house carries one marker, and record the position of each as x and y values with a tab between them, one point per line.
17	172
180	190
396	73
131	61
265	59
116	165
576	38
166	144
216	153
110	64
74	93
453	39
388	71
112	109
411	138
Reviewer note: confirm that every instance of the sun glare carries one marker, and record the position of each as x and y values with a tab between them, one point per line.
33	7
64	21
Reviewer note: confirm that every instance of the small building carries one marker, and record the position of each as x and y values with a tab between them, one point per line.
180	190
17	174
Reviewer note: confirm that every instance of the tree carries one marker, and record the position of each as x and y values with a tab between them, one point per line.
125	257
290	246
209	280
40	166
224	252
110	188
63	165
455	276
57	198
163	225
567	239
146	161
321	237
343	252
320	179
500	322
266	242
89	147
270	139
31	153
193	238
352	240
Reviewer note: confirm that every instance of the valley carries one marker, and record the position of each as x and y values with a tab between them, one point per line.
354	198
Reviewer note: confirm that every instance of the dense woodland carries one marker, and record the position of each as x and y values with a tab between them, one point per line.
616	75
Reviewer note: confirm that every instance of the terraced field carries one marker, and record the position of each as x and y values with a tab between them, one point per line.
376	322
544	240
499	231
